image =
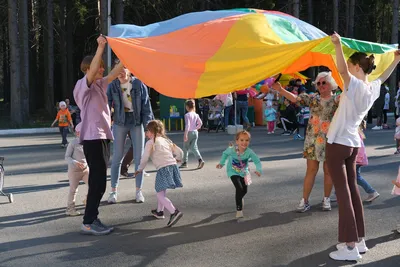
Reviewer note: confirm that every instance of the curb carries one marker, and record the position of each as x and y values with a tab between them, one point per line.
29	131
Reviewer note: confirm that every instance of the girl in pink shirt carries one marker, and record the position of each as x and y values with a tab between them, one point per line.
192	124
164	154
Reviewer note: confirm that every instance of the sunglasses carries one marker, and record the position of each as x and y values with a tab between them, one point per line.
319	83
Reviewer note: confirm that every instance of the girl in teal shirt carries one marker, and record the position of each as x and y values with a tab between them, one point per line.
238	166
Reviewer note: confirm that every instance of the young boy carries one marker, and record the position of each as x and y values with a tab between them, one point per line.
64	119
90	96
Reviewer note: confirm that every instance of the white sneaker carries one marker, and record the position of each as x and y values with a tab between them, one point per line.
398	228
139	196
145	174
303	206
326	204
361	246
71	211
344	254
112	199
239	214
377	128
372	197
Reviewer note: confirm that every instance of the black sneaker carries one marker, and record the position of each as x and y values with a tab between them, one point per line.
201	164
101	225
183	165
158	214
174	218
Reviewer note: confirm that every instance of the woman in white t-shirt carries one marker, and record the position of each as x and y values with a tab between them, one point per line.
343	142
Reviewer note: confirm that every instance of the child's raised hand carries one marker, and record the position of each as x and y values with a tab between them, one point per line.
257	173
335	38
101	41
219	166
397	55
277	86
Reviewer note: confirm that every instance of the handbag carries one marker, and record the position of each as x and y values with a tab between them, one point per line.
247	175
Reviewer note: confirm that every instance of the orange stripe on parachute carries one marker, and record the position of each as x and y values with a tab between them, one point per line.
183	69
312	59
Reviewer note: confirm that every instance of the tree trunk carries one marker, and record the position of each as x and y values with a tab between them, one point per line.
16	111
310	11
66	92
296	8
395	40
70	46
336	15
32	56
119	11
103	26
49	59
351	19
24	57
347	18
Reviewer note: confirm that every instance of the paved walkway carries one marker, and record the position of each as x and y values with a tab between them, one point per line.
35	232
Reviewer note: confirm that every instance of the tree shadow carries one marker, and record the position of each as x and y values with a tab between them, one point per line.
322	258
35	188
27	219
150	244
387	203
283	157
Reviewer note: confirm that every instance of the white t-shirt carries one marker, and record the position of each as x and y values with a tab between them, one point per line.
355	101
126	96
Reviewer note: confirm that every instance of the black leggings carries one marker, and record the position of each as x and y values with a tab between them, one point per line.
241	190
385	116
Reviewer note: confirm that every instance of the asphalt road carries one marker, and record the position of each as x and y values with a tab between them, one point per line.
35	232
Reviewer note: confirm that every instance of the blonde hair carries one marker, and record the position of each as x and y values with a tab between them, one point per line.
361	128
244	132
157	128
328	76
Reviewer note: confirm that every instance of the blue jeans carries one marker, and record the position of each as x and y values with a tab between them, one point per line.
64	133
361	182
242	108
227	112
137	137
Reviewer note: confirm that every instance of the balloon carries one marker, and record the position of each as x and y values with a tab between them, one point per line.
258	87
269	81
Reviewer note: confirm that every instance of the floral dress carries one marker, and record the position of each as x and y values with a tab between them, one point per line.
321	114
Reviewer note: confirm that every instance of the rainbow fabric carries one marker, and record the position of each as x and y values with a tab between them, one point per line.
213	52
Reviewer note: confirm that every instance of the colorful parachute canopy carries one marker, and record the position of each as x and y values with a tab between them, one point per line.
212	52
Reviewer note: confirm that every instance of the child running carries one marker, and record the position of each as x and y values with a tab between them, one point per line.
192	124
362	160
77	171
164	154
238	167
270	117
64	119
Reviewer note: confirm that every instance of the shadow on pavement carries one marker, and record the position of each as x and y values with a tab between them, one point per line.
34	188
36	217
149	244
322	258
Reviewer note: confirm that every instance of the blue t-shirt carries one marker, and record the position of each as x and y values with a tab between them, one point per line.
236	166
270	114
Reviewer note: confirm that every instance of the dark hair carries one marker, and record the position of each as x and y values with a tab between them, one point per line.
365	62
86	61
190	104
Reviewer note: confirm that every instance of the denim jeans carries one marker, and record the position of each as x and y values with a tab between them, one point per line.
242	108
191	145
361	181
137	137
64	133
227	112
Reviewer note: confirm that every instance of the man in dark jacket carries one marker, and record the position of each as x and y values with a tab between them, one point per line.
379	104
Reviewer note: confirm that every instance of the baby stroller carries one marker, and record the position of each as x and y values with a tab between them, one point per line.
10	196
204	107
216	115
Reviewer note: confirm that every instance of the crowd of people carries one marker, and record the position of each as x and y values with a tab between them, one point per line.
333	137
